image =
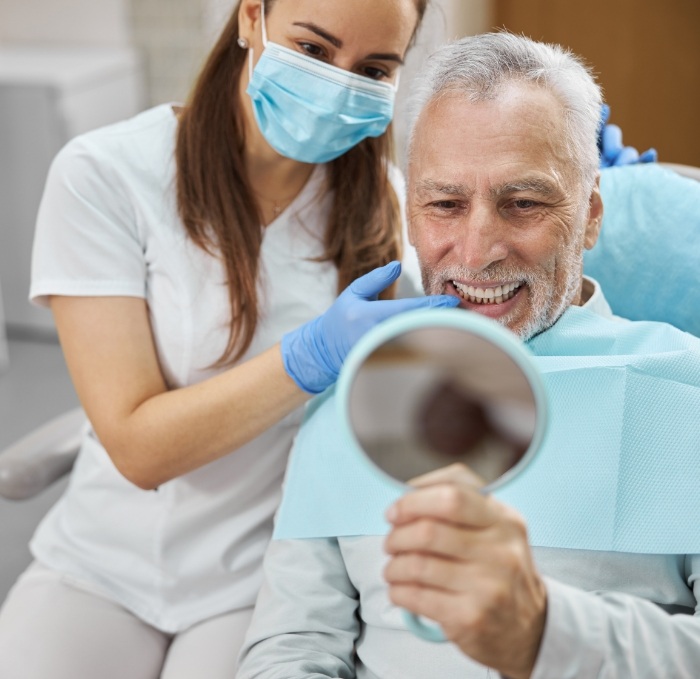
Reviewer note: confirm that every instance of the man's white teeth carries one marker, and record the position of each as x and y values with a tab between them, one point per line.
502	293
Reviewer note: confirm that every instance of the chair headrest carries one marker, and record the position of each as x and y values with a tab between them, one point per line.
647	258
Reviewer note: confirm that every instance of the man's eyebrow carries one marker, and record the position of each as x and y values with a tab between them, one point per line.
540	186
337	42
432	186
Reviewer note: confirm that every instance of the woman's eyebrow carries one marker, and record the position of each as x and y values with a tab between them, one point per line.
386	57
337	42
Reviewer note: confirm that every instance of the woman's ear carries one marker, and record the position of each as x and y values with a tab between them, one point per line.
595	216
249	15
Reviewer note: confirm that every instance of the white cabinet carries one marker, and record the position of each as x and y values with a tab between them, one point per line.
47	96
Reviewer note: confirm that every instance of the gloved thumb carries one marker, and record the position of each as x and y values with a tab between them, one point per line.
649	156
612	142
372	283
627	156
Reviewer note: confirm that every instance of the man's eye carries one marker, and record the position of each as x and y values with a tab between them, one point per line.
444	204
524	204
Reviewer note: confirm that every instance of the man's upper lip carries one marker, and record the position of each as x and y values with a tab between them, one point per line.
482	284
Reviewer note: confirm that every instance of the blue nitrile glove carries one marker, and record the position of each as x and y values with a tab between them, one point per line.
612	151
313	353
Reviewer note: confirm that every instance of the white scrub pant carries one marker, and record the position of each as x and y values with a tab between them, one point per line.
52	629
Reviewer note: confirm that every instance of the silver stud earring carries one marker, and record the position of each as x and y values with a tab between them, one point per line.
242	43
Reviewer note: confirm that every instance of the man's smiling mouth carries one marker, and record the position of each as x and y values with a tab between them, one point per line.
487	295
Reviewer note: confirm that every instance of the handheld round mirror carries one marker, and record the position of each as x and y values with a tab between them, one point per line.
430	388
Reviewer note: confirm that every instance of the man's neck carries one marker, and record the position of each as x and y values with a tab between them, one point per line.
587	291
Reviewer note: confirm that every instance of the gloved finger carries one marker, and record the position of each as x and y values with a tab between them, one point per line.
649	156
432	301
612	142
388	308
628	156
604	115
372	283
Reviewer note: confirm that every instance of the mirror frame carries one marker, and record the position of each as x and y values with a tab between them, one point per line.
459	319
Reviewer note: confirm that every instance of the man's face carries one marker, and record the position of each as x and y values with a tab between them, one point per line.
496	210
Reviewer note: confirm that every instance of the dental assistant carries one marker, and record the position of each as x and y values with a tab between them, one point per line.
192	258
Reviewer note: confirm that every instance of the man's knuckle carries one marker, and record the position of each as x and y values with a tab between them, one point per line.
499	595
450	500
427	534
420	567
515	522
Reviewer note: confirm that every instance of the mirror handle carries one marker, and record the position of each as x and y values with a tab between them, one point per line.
430	631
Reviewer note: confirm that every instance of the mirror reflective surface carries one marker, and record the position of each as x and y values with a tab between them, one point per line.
429	397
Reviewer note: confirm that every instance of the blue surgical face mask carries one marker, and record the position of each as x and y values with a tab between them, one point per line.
311	111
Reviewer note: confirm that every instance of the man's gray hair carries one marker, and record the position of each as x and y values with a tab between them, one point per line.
480	66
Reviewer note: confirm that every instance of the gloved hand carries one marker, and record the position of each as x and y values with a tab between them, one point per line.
314	352
612	152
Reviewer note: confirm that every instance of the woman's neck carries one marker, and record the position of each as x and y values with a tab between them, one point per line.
275	180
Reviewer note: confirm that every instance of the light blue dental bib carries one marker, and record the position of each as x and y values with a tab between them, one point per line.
618	470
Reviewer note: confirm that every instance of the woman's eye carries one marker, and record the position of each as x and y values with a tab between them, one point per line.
374	73
312	50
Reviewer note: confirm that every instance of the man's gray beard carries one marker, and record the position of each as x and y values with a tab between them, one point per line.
547	309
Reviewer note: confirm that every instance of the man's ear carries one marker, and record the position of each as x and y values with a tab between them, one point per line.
407	206
409	229
249	14
595	216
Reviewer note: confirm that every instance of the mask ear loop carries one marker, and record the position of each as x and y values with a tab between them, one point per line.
264	40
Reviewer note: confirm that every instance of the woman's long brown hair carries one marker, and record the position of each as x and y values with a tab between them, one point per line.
215	199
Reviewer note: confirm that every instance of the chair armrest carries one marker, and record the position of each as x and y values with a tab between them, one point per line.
684	170
34	462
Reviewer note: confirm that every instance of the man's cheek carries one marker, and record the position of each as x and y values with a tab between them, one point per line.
431	242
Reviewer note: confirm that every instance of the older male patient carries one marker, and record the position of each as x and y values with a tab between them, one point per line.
502	201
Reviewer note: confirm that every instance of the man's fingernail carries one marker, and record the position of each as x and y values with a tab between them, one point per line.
391	514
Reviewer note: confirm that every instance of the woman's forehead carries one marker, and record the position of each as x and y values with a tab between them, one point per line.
371	25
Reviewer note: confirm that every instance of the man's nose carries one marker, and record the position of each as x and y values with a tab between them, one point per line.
482	239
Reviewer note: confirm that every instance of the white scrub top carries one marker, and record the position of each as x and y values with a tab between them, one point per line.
108	225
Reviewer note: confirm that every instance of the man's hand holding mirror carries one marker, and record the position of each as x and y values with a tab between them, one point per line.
450	403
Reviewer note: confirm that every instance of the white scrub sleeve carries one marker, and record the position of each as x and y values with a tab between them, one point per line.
87	241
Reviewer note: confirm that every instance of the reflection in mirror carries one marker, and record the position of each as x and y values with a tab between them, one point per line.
434	396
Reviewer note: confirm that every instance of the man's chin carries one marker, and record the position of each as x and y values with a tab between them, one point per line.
525	327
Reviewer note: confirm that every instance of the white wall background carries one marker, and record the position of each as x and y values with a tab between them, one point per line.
84	22
173	36
444	20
